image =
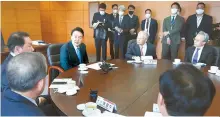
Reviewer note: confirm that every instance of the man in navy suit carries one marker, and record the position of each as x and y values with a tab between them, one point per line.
121	27
74	52
150	26
100	22
112	18
140	47
26	74
18	42
197	22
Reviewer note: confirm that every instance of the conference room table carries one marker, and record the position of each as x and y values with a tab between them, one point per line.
132	87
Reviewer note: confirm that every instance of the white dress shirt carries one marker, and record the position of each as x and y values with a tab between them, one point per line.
147	29
12	54
30	99
130	15
199	20
144	49
199	53
172	17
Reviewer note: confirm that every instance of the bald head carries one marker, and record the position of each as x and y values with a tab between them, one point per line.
25	70
142	38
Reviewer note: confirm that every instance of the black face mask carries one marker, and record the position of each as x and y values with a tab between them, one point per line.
131	12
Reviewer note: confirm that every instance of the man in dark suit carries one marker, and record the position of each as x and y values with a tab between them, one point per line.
26	74
74	52
150	26
112	17
172	26
140	47
121	31
133	24
18	42
201	52
187	91
101	22
197	22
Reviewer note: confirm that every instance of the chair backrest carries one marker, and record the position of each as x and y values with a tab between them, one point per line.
53	55
2	42
217	63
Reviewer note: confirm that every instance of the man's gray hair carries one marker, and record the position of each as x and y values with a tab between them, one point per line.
25	70
146	36
205	35
121	8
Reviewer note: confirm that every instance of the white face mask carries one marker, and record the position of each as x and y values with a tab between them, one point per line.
174	10
199	11
115	11
102	12
121	13
147	15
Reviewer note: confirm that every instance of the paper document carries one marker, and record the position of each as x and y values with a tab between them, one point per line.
96	66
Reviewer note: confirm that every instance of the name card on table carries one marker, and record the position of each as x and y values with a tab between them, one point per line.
106	104
150	62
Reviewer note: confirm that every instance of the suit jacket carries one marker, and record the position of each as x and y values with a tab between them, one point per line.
4	80
207	56
102	18
153	29
191	27
69	58
111	19
14	104
124	24
134	50
133	22
175	31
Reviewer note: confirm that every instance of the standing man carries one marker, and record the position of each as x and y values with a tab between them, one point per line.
112	17
150	26
197	22
133	23
172	26
121	31
100	24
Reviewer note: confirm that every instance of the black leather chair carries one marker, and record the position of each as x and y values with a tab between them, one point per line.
217	63
53	54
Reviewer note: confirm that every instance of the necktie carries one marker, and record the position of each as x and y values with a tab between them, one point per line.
141	48
79	54
195	57
120	20
147	24
172	20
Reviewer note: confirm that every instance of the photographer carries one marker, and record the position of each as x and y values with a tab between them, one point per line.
100	24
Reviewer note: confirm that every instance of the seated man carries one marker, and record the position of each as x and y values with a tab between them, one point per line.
201	52
185	91
18	42
74	52
140	47
26	78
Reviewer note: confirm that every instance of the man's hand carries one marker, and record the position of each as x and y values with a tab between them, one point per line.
165	33
183	39
132	31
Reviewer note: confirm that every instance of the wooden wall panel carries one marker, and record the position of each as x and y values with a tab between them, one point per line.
21	16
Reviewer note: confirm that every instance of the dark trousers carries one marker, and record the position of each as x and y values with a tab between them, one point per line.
101	43
111	44
119	42
170	52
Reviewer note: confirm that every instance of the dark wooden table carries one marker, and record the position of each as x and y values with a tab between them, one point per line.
133	87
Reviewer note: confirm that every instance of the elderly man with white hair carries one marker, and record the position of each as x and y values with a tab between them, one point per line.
121	31
140	47
201	52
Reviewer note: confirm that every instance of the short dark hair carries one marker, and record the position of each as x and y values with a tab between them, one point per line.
148	10
16	39
201	3
177	4
25	70
102	5
132	6
78	29
186	91
114	5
